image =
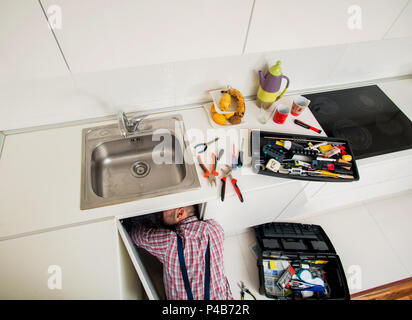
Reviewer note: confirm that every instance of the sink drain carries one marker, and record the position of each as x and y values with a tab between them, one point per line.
140	169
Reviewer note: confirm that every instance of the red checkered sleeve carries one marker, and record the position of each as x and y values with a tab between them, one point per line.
154	240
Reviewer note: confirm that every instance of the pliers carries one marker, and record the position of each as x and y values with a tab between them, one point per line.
205	145
243	289
210	175
228	173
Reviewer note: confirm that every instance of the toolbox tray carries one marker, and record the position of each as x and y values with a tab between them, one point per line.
258	140
298	243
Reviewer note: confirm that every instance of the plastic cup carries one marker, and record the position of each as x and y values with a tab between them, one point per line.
265	115
281	113
299	105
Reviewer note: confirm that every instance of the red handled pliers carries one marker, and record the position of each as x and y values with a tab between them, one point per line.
210	175
228	173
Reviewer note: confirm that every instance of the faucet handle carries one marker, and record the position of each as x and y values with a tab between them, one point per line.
122	123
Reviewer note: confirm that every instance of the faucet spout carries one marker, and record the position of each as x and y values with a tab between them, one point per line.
129	126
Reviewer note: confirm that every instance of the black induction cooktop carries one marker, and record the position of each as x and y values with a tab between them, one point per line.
366	117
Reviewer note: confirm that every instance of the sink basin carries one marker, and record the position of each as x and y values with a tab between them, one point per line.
150	163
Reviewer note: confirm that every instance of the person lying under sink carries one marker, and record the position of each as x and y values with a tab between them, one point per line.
191	252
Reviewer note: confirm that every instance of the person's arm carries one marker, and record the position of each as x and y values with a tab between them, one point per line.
154	240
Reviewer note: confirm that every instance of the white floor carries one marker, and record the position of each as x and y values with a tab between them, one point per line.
373	240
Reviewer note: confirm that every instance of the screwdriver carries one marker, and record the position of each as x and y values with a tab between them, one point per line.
306	126
240	157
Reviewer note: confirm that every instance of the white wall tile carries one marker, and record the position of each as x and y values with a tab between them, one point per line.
47	101
102	35
278	24
403	25
373	60
27	46
88	95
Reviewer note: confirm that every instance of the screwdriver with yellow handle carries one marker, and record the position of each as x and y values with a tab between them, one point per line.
335	175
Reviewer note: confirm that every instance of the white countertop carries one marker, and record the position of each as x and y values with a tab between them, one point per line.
41	172
41	176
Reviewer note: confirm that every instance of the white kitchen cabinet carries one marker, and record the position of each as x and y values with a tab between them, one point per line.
102	35
259	206
279	25
403	25
379	176
27	47
79	262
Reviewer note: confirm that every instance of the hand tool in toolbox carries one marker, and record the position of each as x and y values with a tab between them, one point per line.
210	175
301	157
205	145
302	172
285	277
274	151
228	173
302	139
243	290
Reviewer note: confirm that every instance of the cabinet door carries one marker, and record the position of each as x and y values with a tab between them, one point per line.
79	262
260	206
102	34
27	46
403	25
377	179
278	24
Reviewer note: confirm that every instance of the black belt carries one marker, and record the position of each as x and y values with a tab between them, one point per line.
184	270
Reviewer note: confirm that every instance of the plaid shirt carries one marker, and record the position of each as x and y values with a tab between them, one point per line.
162	243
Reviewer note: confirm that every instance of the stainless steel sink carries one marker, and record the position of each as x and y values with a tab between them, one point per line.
147	164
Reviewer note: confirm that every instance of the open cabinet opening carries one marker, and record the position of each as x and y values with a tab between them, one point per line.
148	267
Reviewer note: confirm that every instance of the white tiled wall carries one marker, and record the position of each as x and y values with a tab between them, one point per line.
104	35
278	24
88	95
403	24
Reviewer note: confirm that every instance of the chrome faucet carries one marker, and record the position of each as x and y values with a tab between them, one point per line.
129	126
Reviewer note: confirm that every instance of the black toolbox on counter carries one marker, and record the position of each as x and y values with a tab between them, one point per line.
264	148
287	247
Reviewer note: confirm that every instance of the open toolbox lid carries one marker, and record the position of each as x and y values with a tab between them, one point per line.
293	238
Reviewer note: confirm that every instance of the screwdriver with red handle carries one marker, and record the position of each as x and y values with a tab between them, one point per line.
306	126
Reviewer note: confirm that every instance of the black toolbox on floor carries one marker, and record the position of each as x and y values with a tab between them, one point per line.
316	167
294	255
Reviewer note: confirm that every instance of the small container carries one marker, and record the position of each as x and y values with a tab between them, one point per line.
299	105
265	114
281	113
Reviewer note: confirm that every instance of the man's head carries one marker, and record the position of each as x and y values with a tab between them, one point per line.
174	216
